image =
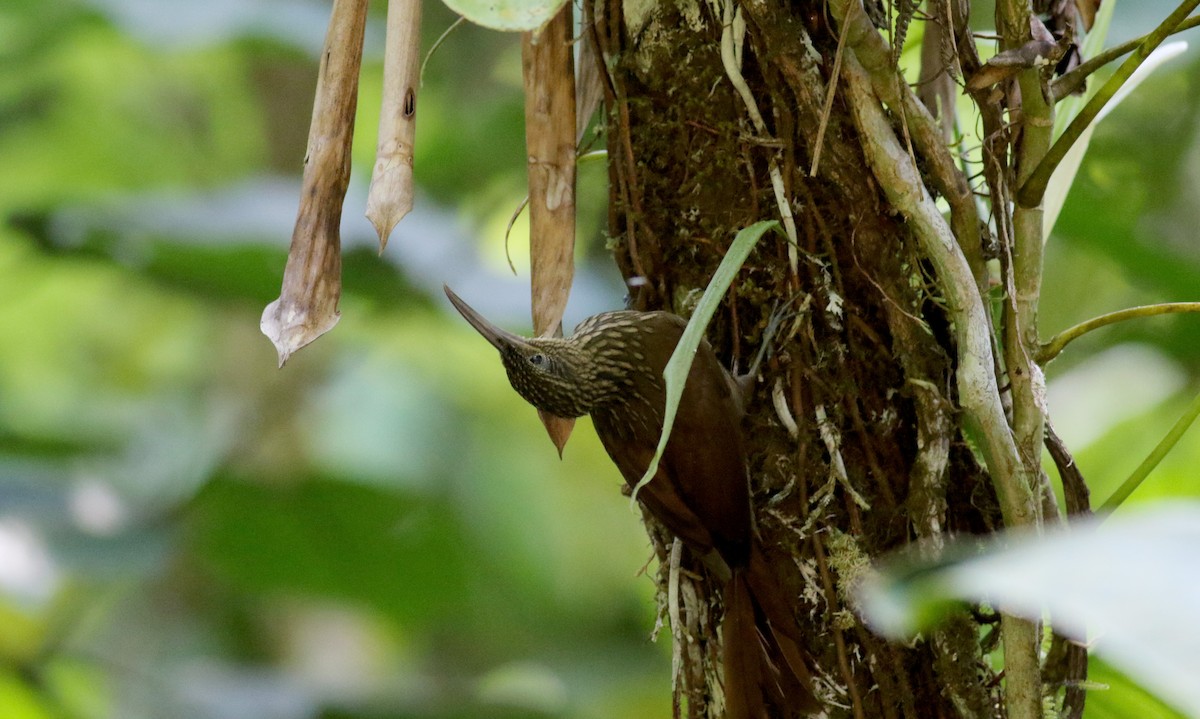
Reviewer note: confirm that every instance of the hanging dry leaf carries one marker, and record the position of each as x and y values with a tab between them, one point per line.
589	86
391	195
550	140
1087	12
312	279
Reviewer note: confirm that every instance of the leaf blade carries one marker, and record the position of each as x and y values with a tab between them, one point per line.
676	371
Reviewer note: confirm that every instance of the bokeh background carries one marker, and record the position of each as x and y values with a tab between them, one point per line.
382	529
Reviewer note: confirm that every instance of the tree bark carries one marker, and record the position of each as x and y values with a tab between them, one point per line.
855	428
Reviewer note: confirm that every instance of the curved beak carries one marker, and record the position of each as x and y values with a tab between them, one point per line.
559	428
498	337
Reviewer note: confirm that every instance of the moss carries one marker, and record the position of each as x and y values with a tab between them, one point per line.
699	174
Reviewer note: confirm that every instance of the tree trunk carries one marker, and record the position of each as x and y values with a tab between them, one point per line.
854	431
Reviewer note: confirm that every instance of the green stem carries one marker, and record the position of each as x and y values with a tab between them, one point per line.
1034	188
1151	461
1058	342
1022	637
1074	79
1021	341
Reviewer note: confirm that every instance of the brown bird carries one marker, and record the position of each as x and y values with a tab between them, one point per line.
611	368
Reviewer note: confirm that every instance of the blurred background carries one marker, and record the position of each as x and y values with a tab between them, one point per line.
382	528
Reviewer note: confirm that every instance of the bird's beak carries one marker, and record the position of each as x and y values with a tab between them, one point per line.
559	428
498	337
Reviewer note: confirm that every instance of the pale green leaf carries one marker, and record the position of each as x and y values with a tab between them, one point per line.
680	365
1130	585
1067	108
518	15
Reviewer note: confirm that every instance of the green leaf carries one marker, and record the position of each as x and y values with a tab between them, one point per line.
519	15
1129	583
19	700
1115	696
1066	109
1156	455
400	555
680	365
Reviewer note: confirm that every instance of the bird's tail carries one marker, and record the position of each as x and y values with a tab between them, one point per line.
763	662
742	654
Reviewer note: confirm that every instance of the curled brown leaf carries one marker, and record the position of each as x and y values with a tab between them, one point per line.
312	279
391	195
550	140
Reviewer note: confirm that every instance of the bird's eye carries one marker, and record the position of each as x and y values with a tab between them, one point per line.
537	360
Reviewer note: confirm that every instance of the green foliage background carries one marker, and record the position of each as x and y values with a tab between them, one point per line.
381	529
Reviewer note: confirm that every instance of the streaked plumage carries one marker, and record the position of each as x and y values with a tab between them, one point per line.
611	368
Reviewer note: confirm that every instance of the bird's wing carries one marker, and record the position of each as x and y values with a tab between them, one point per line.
707	461
661	496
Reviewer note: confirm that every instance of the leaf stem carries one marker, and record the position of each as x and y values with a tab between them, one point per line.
1073	80
1049	350
1019	339
1032	190
1151	461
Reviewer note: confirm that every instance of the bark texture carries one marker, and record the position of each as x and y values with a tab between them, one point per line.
853	431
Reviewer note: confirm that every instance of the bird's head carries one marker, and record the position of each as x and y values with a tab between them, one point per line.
553	374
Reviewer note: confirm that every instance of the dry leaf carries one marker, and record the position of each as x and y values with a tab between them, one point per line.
391	195
550	140
312	279
1038	30
1040	51
559	429
1087	12
546	60
589	87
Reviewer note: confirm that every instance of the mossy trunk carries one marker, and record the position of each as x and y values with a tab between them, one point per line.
853	435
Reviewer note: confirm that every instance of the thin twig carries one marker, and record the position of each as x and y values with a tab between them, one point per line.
1151	461
781	409
512	220
1058	342
1022	261
677	629
1076	494
436	44
828	108
733	71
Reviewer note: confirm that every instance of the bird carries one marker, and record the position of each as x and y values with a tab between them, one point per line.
611	368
